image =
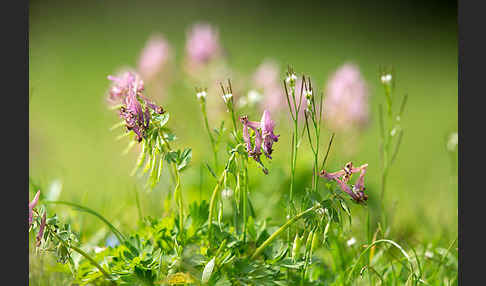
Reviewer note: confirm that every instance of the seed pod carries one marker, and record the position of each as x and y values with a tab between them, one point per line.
315	240
308	241
296	246
326	230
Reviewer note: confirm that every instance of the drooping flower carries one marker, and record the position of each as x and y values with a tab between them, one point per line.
135	109
32	205
342	178
202	44
267	125
41	229
346	101
264	136
153	57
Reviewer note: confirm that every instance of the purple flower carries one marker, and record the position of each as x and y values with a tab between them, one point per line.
264	136
267	125
32	205
153	57
122	84
346	101
343	176
41	229
135	107
202	44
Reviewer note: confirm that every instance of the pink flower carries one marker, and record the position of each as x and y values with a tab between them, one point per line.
32	205
202	44
267	79
346	101
264	137
267	125
153	57
342	177
121	85
127	91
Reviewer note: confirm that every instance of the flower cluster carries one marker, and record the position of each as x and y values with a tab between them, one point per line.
135	108
267	79
264	136
343	176
202	44
154	56
346	102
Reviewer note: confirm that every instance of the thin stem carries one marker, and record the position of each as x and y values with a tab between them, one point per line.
245	198
140	215
281	229
211	138
327	152
215	193
84	254
178	197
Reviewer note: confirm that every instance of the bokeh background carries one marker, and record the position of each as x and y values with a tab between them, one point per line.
74	45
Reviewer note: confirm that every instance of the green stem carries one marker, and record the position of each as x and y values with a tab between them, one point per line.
84	254
281	229
178	197
245	194
215	193
211	138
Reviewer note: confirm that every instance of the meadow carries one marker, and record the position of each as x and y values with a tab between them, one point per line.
75	157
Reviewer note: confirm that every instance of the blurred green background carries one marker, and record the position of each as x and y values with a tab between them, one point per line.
74	45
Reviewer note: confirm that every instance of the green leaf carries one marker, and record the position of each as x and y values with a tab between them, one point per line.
162	118
208	270
171	156
184	159
211	171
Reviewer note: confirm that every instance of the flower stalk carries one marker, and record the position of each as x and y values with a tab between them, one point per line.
282	229
201	95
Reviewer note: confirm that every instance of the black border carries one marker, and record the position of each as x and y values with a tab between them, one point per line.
15	133
471	81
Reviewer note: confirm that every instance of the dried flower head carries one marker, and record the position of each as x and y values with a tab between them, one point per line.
343	176
153	57
346	101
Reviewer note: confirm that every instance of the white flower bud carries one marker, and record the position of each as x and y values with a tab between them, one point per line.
227	97
351	241
201	95
386	78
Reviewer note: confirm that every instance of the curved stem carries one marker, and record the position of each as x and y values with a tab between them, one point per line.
215	192
85	255
381	241
178	197
281	229
211	138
